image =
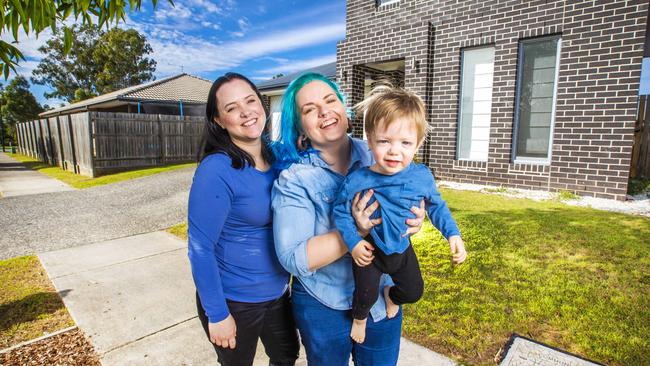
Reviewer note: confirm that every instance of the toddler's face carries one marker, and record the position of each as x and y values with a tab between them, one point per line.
393	147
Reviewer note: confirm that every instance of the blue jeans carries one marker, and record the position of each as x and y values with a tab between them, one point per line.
325	333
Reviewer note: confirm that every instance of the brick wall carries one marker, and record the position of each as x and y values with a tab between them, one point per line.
600	64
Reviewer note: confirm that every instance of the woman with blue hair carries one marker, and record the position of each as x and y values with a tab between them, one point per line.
317	154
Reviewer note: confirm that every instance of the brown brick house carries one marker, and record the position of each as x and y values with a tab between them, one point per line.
525	94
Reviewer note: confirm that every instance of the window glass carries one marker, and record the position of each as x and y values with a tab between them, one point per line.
475	103
537	76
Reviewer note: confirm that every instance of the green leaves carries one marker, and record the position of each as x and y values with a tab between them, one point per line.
9	56
36	15
67	40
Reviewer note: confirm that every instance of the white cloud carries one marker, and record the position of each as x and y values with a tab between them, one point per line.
298	65
173	49
207	24
244	24
208	6
237	34
179	11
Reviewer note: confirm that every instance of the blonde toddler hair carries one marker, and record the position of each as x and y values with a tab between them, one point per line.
387	103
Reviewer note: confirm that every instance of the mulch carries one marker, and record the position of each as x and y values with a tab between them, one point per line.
68	348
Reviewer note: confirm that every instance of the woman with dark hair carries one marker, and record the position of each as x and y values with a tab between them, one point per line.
242	291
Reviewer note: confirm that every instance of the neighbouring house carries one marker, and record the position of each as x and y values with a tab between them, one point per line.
526	94
180	95
272	91
151	124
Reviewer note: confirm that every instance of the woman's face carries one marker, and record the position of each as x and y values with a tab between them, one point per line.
240	111
322	115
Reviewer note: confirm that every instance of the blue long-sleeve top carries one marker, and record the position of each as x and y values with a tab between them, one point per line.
396	194
230	236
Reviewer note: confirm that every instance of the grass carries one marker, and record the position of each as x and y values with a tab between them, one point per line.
564	195
575	278
179	230
29	304
495	190
80	181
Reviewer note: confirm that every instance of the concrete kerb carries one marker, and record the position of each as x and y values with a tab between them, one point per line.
134	299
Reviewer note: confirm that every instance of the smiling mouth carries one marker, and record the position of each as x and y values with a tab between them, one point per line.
328	122
250	123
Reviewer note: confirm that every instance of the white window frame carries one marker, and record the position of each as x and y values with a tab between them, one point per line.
532	160
381	3
460	103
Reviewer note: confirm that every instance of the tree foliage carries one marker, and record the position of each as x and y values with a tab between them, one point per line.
98	62
121	56
18	104
34	16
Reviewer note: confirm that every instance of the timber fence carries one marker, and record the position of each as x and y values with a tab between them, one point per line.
640	165
95	143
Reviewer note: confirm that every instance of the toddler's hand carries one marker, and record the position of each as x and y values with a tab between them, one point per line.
362	253
457	247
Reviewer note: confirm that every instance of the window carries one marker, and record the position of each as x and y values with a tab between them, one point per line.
386	2
535	103
477	71
276	107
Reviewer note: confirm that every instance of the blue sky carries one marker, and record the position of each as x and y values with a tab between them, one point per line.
209	37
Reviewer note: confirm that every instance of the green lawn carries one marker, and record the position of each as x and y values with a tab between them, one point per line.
80	181
575	278
179	230
29	304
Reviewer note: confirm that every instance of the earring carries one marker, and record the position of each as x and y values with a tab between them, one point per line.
302	142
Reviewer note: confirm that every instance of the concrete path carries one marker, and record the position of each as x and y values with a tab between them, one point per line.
17	180
134	297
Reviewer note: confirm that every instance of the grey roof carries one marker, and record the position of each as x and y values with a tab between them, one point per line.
328	70
190	89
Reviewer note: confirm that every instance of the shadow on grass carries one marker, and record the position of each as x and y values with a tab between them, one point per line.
30	308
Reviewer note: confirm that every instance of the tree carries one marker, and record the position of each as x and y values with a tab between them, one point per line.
70	75
18	105
98	63
34	16
121	56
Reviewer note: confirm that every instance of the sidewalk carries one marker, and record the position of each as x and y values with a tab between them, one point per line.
134	298
17	180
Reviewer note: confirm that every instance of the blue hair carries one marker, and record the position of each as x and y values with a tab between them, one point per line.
285	148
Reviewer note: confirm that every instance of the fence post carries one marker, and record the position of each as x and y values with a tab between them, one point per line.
41	144
61	155
75	167
161	140
91	146
52	160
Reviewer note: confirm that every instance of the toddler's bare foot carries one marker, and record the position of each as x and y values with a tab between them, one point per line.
391	308
358	332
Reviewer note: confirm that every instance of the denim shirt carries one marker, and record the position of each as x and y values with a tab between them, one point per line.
302	199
